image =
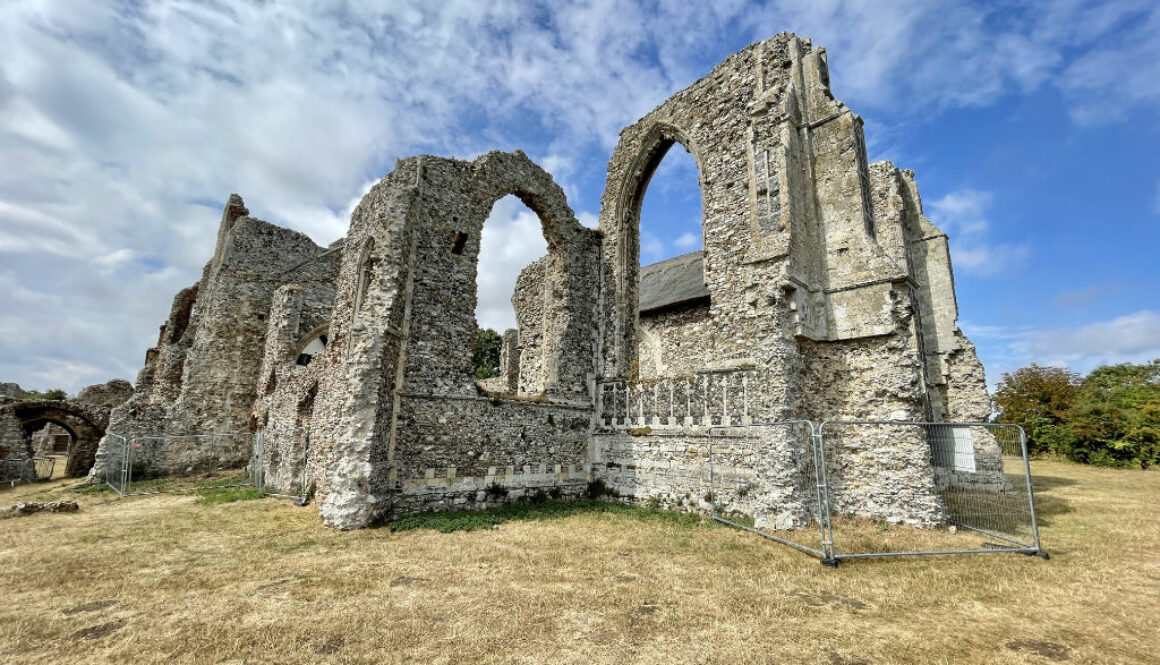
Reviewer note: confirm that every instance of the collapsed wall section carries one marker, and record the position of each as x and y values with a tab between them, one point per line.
202	376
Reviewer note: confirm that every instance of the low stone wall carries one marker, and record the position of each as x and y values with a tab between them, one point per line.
760	472
520	446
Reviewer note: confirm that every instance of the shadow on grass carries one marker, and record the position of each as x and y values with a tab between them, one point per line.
471	520
1048	483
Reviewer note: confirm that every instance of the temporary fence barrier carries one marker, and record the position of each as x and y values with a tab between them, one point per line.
280	462
980	487
136	465
879	488
766	478
274	461
26	470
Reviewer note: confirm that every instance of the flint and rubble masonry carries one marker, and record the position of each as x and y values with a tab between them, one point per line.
825	293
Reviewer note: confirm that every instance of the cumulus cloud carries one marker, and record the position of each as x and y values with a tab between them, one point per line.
513	237
1133	338
915	56
125	125
687	241
964	216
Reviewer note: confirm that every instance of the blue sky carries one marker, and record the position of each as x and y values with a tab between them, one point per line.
1032	126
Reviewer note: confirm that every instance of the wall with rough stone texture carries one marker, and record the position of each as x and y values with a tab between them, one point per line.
831	296
202	377
85	422
397	403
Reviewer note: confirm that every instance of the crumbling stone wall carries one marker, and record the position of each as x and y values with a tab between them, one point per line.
84	422
202	376
52	439
31	428
822	270
396	403
10	392
822	292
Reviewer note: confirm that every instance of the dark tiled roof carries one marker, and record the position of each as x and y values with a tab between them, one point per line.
674	281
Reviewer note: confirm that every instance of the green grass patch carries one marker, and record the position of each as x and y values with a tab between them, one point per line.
471	520
228	495
93	489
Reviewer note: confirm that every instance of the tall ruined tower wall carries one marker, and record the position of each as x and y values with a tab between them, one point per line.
826	294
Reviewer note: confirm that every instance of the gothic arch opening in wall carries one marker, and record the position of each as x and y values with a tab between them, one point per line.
661	209
509	309
442	320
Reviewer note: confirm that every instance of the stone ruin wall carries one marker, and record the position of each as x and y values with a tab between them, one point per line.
202	376
30	428
831	296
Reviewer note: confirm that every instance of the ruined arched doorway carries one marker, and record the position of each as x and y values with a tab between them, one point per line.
634	162
85	426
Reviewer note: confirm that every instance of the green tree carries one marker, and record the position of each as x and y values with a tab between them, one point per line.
485	353
1038	399
53	394
1116	417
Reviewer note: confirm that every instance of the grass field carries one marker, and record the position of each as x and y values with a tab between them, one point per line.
166	579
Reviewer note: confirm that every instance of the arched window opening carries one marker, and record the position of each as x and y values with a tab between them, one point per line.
670	209
314	345
673	306
671	234
508	320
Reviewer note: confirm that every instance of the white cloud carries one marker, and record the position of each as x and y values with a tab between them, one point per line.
125	125
513	237
652	248
964	216
1133	338
915	57
687	241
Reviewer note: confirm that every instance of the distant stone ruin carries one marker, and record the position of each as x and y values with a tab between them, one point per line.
822	292
34	428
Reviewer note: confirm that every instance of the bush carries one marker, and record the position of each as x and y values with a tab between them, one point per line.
596	489
55	394
1110	418
485	353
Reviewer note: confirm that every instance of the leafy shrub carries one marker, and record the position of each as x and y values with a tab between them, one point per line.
485	353
596	489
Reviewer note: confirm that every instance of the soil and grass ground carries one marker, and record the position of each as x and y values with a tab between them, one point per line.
209	578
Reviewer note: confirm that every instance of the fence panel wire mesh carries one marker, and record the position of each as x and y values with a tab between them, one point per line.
977	500
280	462
767	478
26	470
136	465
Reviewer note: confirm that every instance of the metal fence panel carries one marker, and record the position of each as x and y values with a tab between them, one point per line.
116	461
280	461
26	469
138	465
768	479
910	488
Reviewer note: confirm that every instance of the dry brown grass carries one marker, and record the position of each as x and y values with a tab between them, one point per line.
161	579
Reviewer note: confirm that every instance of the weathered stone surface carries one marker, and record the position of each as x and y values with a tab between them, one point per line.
30	507
106	395
822	292
84	422
10	392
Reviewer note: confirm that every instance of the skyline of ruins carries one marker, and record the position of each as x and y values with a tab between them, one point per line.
1028	131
